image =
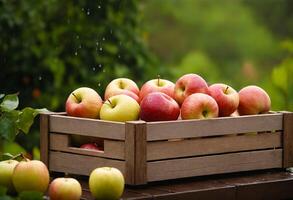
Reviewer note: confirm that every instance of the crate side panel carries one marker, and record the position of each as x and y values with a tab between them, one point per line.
288	139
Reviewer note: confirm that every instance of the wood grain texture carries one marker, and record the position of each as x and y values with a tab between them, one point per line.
288	139
112	148
80	164
87	127
44	138
217	164
130	153
213	127
212	145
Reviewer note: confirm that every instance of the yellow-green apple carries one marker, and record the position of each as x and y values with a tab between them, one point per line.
6	171
106	183
189	84
65	189
158	106
120	108
253	100
122	86
84	102
157	85
30	176
91	146
226	97
199	106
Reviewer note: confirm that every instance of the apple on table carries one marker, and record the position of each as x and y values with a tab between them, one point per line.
65	189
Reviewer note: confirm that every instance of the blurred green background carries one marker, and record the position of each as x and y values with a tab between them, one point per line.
49	48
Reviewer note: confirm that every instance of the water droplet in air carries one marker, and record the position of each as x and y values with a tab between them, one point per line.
40	78
119	56
99	6
75	53
101	49
97	43
103	38
100	65
82	9
104	70
79	46
94	69
88	12
99	84
77	36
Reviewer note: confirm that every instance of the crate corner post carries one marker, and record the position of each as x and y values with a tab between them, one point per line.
288	139
44	138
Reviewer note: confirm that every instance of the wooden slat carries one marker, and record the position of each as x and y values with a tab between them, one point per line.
79	164
44	138
213	145
130	153
112	149
87	127
217	164
288	139
213	127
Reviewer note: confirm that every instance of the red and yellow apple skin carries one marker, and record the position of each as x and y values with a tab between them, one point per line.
189	84
6	171
157	85
84	102
253	100
226	97
122	86
30	176
158	106
199	106
106	183
65	189
91	146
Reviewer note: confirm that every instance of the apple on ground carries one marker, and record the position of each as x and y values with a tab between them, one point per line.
199	106
158	106
106	183
253	100
84	102
31	176
157	85
226	97
120	108
91	146
6	171
122	86
189	84
65	189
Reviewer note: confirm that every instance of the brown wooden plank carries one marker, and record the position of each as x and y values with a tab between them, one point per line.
112	148
87	127
288	139
212	145
216	164
130	153
213	127
80	164
44	138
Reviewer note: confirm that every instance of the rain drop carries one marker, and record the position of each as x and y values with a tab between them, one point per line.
119	56
75	53
79	46
100	65
40	78
82	9
99	6
77	36
88	12
104	70
97	43
94	69
101	49
103	38
99	84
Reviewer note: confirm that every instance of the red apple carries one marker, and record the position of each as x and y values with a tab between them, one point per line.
158	106
226	97
122	86
30	176
84	102
253	100
157	85
91	146
189	84
65	189
199	106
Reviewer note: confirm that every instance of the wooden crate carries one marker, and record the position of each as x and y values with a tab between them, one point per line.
154	151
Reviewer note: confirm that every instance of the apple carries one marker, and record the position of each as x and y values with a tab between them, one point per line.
199	106
78	140
91	146
30	176
157	85
84	102
122	86
158	106
106	183
253	100
6	171
120	108
189	84
226	97
65	189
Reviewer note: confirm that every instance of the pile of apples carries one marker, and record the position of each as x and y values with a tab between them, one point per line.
161	100
33	175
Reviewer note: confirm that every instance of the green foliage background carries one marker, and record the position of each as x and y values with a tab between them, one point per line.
49	48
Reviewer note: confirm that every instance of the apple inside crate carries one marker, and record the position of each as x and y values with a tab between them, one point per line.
182	148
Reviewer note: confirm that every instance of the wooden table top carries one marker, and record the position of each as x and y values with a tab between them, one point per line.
270	184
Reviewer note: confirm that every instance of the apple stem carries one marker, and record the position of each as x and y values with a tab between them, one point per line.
66	175
24	157
110	102
159	79
78	99
226	89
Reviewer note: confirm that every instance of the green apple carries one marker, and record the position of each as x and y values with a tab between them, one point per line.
106	183
31	176
120	108
65	189
6	171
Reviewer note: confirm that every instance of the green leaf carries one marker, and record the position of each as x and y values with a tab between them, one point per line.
42	110
8	155
31	196
8	129
5	197
1	96
10	102
3	190
26	119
